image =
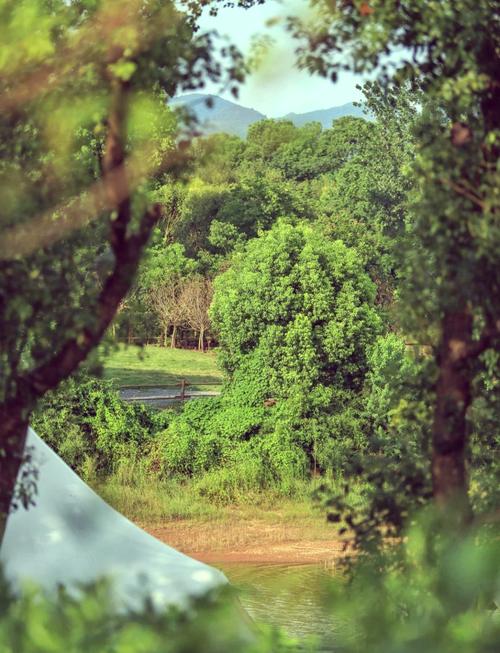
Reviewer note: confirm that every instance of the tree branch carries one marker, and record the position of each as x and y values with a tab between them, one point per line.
74	351
488	339
127	250
464	192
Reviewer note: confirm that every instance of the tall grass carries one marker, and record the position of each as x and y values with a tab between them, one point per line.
144	497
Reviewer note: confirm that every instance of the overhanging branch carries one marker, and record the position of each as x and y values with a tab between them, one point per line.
74	351
127	251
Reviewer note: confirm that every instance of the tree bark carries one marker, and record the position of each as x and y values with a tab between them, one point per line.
453	396
13	431
173	338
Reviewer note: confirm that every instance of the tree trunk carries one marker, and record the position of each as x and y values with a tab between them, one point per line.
165	336
13	431
173	338
201	340
453	396
127	248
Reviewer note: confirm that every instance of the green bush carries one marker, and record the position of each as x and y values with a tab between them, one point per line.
484	420
226	447
90	427
90	623
295	318
436	591
393	461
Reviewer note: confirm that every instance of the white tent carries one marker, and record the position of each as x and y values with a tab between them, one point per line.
72	536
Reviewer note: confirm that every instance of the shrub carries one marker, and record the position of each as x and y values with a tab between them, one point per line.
88	621
433	591
295	318
85	420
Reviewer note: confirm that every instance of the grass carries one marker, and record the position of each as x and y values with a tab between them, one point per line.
175	512
260	523
144	496
147	499
151	501
153	365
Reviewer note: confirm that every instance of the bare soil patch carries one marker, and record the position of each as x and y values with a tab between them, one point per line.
252	541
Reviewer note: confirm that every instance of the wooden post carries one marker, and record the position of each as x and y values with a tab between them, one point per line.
183	389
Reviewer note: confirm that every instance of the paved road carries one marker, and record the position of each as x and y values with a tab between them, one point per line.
162	396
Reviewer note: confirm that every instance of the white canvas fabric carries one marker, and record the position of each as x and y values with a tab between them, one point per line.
72	536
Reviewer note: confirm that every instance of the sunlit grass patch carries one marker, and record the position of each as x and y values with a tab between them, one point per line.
150	365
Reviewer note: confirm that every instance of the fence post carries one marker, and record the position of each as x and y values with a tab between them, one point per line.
183	389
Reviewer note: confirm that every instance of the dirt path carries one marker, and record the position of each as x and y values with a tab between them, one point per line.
250	542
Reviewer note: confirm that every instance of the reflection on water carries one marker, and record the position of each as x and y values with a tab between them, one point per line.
293	597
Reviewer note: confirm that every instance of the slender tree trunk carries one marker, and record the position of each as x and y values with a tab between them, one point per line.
165	336
453	396
201	340
13	431
173	338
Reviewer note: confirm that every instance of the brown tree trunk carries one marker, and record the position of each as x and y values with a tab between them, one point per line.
173	338
127	248
13	431
201	340
453	396
165	336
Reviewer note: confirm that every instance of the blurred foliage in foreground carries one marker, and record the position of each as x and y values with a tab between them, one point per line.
430	593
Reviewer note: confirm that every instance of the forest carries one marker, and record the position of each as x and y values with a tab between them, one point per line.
341	282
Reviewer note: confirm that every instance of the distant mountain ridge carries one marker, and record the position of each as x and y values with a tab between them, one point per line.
325	116
232	118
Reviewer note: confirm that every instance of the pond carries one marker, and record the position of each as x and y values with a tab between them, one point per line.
290	596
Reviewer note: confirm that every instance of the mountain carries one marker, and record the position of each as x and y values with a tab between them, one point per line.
325	116
222	116
232	118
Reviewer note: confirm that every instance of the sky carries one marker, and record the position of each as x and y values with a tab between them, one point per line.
278	87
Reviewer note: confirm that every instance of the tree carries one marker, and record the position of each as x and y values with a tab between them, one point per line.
160	283
84	126
218	157
195	300
165	302
294	317
364	199
288	279
451	49
297	157
264	139
201	204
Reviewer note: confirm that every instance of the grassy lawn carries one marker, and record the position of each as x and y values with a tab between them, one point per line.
150	365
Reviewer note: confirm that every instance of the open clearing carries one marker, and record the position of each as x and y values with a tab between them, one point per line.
152	365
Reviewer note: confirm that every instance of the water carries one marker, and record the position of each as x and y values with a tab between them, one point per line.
293	597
